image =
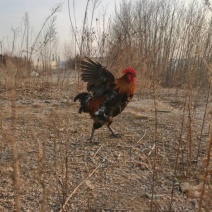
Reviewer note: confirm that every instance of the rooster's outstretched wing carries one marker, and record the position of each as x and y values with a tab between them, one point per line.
98	78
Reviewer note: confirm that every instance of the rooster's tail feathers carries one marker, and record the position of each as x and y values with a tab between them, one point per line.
83	98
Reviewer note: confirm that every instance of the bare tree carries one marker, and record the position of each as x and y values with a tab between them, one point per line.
15	34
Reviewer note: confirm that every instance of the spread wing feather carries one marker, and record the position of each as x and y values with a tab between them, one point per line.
98	78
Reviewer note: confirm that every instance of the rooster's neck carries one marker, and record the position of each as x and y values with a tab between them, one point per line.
124	86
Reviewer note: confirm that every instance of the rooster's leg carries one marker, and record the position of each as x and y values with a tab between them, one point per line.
92	134
96	125
111	130
113	133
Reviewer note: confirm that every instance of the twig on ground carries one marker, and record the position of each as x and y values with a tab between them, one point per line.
97	151
153	147
142	136
76	189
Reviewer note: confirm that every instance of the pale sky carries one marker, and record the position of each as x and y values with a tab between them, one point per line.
13	11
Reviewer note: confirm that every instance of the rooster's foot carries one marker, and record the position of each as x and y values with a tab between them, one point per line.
116	135
91	141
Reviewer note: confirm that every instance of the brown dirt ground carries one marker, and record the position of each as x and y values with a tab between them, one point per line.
57	162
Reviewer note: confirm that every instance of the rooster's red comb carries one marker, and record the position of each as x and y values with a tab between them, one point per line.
129	70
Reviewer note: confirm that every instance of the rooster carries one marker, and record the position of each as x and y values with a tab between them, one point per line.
106	97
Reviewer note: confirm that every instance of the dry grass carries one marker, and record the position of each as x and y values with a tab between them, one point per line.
47	163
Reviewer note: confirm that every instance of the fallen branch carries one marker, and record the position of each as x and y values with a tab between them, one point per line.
142	136
98	151
76	189
151	150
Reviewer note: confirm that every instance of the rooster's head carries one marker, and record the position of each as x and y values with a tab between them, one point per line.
130	73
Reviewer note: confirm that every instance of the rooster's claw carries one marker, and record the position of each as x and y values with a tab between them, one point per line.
92	142
116	135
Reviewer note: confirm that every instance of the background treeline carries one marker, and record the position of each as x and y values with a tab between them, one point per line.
165	39
162	39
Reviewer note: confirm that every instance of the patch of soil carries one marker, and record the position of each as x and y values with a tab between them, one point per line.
59	167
